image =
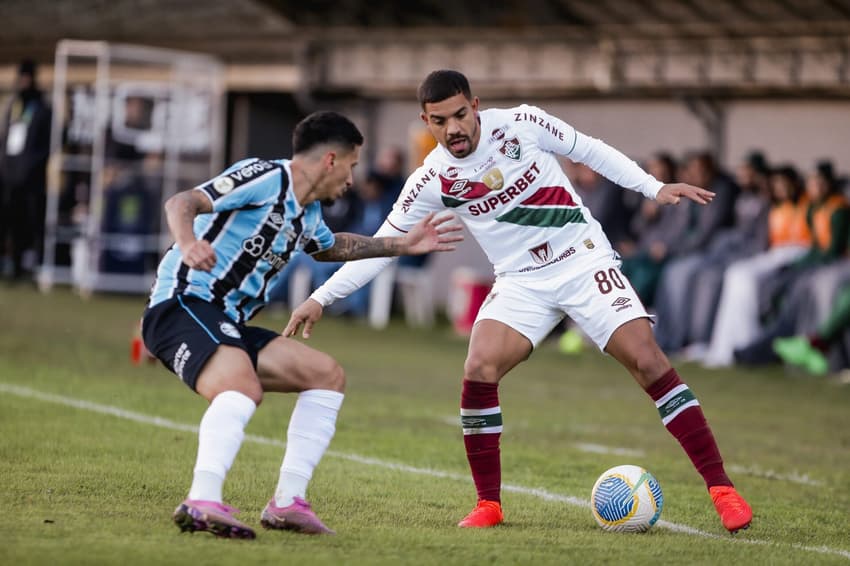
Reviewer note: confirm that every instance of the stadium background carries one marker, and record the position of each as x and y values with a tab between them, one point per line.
645	76
96	451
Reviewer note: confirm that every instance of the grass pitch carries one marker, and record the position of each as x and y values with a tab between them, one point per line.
96	453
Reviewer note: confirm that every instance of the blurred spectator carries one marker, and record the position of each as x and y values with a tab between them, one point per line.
737	318
655	230
673	300
605	200
390	172
787	294
812	352
748	236
376	202
130	211
24	149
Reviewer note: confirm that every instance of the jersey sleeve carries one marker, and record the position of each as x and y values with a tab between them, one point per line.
556	136
419	196
323	239
250	183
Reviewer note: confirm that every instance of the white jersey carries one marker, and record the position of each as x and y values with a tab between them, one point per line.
512	195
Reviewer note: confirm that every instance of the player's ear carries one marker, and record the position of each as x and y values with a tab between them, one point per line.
475	104
329	160
423	117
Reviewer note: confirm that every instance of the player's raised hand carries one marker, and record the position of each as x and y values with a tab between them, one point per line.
308	313
433	234
199	255
672	193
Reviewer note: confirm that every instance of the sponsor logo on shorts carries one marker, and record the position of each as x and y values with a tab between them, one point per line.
223	185
180	358
588	243
621	303
228	329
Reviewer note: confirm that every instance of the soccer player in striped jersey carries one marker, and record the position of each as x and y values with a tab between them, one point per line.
233	235
497	169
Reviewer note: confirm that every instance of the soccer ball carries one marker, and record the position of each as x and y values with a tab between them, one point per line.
626	499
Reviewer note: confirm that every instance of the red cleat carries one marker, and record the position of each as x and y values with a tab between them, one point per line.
485	514
735	513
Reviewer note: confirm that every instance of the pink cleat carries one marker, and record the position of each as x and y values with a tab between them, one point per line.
298	517
211	516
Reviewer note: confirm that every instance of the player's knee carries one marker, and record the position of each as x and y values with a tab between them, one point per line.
255	394
479	368
330	375
650	363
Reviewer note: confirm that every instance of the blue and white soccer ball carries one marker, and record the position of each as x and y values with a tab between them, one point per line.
626	499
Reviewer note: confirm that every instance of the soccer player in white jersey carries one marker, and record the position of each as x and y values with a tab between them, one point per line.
233	236
497	169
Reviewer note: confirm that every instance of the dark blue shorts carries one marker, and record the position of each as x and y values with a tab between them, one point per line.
183	332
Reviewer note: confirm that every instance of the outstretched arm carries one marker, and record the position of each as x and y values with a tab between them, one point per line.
180	213
672	193
429	235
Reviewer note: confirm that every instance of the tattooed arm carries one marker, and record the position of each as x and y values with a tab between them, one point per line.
428	235
354	246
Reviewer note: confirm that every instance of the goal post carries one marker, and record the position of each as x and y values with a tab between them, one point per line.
132	125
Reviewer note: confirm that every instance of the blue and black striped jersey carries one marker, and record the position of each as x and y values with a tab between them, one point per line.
255	228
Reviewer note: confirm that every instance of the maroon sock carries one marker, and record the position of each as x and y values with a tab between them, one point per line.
481	419
681	414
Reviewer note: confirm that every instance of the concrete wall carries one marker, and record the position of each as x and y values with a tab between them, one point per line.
796	131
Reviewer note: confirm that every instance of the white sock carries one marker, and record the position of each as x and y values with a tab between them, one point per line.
311	427
219	438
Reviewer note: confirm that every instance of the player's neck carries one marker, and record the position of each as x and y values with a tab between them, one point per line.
303	182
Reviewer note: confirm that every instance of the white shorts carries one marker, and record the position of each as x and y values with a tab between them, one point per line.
598	298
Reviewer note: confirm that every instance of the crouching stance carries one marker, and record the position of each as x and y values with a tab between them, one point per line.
233	236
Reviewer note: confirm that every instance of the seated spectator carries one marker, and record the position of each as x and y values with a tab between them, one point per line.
828	219
737	321
746	237
374	208
674	296
654	231
811	353
605	200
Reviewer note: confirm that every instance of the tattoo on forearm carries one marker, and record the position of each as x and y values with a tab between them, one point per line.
354	246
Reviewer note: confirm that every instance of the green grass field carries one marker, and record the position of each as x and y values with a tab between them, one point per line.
96	453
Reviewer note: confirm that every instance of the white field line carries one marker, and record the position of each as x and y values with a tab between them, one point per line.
536	492
793	477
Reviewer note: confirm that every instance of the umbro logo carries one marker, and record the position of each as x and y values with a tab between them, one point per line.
621	303
460	187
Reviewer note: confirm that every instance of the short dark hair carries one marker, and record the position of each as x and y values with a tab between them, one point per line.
443	84
325	127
